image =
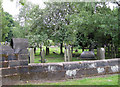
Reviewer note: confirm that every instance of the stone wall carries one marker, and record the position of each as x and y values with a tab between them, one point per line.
59	71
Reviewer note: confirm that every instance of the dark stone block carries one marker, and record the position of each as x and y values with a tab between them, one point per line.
14	63
113	62
84	65
91	72
9	71
12	57
55	75
6	50
7	53
78	65
23	57
38	76
4	64
10	80
113	69
23	70
4	57
52	68
81	73
71	66
36	69
23	63
25	77
102	63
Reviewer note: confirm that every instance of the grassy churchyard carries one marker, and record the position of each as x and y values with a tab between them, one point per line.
60	58
57	57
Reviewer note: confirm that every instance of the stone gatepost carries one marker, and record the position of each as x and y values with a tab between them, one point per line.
32	56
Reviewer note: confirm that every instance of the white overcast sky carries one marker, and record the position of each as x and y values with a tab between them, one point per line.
13	7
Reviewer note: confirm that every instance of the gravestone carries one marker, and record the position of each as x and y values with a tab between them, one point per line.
101	53
87	55
19	45
32	56
7	53
43	56
67	53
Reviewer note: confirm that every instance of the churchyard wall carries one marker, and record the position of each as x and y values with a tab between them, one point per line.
59	71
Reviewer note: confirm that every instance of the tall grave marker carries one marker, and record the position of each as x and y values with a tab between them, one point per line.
67	53
32	56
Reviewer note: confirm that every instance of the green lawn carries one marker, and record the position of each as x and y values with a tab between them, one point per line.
107	80
55	57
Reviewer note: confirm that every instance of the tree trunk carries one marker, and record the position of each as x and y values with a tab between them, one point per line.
90	48
108	51
47	50
72	49
34	50
40	50
111	51
82	49
116	50
98	53
61	50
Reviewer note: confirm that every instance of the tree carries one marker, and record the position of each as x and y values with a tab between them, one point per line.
7	25
53	21
0	20
91	26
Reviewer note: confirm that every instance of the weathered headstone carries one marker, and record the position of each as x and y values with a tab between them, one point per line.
20	45
87	55
32	56
67	53
7	53
43	56
101	53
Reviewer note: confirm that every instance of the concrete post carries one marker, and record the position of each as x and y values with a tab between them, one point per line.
43	56
32	56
